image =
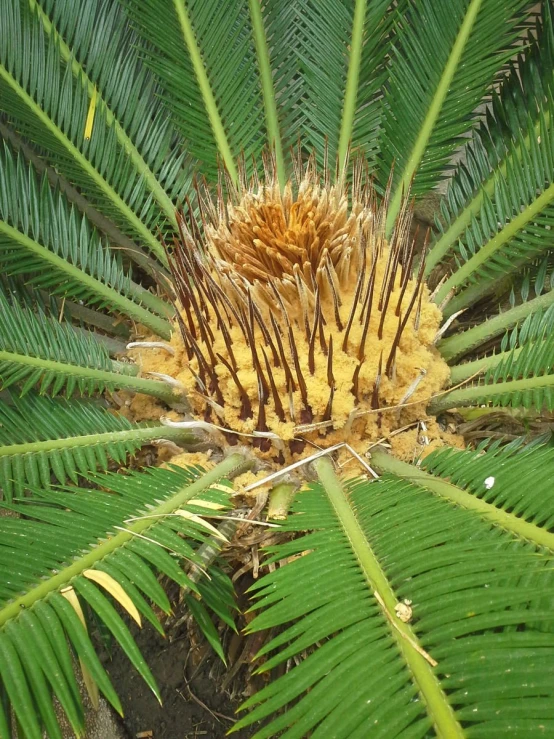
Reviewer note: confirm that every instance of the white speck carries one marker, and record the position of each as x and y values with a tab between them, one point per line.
489	482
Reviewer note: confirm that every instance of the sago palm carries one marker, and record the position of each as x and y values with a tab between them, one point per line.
221	225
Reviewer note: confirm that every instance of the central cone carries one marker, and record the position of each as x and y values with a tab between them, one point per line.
299	323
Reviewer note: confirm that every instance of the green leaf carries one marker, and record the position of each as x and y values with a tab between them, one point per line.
205	623
109	616
36	679
17	688
55	248
74	531
365	550
461	343
36	349
101	49
445	57
502	144
206	62
518	478
79	639
40	436
51	106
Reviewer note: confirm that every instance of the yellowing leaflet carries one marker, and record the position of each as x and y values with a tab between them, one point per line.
90	115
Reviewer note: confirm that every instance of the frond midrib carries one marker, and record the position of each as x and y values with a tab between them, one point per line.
436	703
112	379
459	344
139	434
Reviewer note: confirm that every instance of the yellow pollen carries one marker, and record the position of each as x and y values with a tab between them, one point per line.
301	324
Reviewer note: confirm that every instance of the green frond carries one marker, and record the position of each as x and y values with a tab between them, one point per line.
37	350
92	549
431	97
100	46
342	48
521	351
55	248
50	106
508	234
42	438
463	342
502	142
518	527
328	63
206	61
376	48
367	550
532	391
520	376
519	478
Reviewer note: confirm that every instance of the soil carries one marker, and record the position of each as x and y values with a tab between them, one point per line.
194	705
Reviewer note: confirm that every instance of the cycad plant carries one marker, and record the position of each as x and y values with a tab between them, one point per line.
215	230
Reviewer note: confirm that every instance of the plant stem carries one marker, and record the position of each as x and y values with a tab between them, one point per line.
272	120
205	88
460	344
522	529
436	702
227	468
280	498
461	372
352	78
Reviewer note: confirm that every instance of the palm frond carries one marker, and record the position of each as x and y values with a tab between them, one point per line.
92	548
206	61
50	105
341	50
514	478
508	234
431	97
518	351
54	246
327	61
42	438
461	343
38	350
101	48
502	140
519	376
360	666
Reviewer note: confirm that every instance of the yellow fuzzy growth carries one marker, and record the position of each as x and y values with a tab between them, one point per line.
278	282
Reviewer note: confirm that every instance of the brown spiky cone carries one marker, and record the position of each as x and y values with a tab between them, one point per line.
297	317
